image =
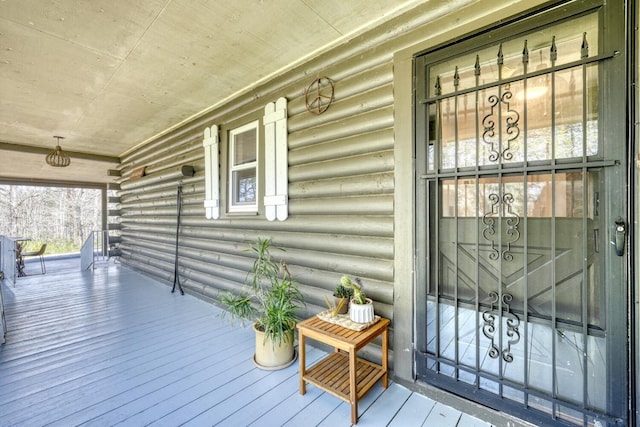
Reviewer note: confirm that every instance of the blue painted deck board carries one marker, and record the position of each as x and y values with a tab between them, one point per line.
414	411
341	415
386	406
443	416
131	388
285	411
113	347
252	404
320	406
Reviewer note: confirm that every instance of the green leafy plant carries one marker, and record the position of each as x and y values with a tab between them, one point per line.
342	291
342	295
271	298
359	297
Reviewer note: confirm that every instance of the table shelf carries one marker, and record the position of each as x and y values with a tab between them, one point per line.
332	375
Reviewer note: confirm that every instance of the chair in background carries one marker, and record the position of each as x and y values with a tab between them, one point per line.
38	253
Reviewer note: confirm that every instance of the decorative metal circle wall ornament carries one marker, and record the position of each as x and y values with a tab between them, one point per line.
319	95
58	158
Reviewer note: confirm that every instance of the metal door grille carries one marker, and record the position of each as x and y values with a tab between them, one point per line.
515	296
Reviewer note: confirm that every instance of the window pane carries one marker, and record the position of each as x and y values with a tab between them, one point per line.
244	184
243	179
245	147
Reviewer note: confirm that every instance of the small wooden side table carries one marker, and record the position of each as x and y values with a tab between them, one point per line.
342	373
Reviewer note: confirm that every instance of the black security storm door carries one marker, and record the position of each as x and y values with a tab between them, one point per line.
522	302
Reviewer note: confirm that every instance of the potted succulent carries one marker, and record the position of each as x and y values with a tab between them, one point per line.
360	307
270	301
341	297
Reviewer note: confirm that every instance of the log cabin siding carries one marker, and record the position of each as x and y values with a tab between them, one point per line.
343	174
340	191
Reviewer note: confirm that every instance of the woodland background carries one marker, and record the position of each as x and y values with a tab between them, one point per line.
61	217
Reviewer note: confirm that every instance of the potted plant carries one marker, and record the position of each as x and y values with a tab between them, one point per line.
360	307
270	301
341	297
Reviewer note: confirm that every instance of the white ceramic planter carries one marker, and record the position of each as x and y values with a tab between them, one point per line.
272	356
361	313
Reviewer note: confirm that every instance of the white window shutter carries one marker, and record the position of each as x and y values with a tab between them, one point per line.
275	158
211	173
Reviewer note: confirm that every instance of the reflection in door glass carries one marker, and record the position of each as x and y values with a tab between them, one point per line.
541	114
538	202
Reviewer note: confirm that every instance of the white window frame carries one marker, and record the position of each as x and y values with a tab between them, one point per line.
233	205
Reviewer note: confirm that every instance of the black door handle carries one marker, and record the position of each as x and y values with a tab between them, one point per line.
620	236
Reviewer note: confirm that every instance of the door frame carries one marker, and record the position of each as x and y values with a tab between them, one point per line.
465	23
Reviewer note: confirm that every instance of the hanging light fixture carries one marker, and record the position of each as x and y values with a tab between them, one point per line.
58	158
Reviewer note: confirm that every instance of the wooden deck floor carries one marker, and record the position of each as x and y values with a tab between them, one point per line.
113	347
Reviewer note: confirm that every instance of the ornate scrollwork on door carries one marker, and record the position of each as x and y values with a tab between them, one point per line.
489	327
511	222
497	148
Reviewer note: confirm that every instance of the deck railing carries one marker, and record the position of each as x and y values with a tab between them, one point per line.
86	252
8	269
97	247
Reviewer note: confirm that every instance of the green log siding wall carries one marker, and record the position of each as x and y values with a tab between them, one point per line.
340	220
341	178
340	191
